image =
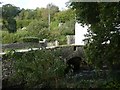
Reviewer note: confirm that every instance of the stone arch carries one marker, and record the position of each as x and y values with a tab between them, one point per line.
74	64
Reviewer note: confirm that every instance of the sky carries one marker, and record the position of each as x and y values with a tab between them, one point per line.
33	4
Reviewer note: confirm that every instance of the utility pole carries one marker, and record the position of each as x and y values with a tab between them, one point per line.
49	16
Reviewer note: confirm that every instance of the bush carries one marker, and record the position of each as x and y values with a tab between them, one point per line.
13	37
30	39
43	33
45	68
62	40
22	23
7	37
36	25
37	69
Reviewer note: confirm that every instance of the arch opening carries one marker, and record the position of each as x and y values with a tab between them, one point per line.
73	64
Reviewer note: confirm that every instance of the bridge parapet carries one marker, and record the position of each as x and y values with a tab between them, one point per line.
69	51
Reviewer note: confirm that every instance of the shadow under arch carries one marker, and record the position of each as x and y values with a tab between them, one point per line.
73	64
76	64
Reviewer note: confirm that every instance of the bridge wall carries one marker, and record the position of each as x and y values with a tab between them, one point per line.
69	51
66	52
21	45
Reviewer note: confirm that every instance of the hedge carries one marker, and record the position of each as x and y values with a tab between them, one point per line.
30	39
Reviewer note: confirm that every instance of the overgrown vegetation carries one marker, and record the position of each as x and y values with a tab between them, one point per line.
46	69
36	69
30	39
34	23
42	68
103	19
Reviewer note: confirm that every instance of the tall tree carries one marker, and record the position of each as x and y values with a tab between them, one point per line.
103	19
8	13
64	16
52	10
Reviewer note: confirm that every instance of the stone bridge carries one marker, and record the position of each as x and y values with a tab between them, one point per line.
71	54
74	56
67	51
70	51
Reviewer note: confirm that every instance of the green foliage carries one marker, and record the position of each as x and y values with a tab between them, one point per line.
84	14
59	32
62	40
37	69
11	25
27	14
45	69
112	84
22	23
7	37
36	25
44	34
38	28
65	15
68	28
52	9
54	25
38	13
30	39
13	37
8	13
103	39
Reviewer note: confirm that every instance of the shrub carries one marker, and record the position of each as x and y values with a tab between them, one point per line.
45	68
62	40
22	23
7	37
30	39
39	69
13	37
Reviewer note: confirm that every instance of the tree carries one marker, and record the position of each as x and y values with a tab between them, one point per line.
8	13
21	14
38	28
68	28
22	23
64	16
103	19
11	25
44	14
38	13
52	9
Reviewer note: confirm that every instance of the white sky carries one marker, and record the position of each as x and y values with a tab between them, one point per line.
33	4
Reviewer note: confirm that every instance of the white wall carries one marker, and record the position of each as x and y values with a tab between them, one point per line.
79	33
